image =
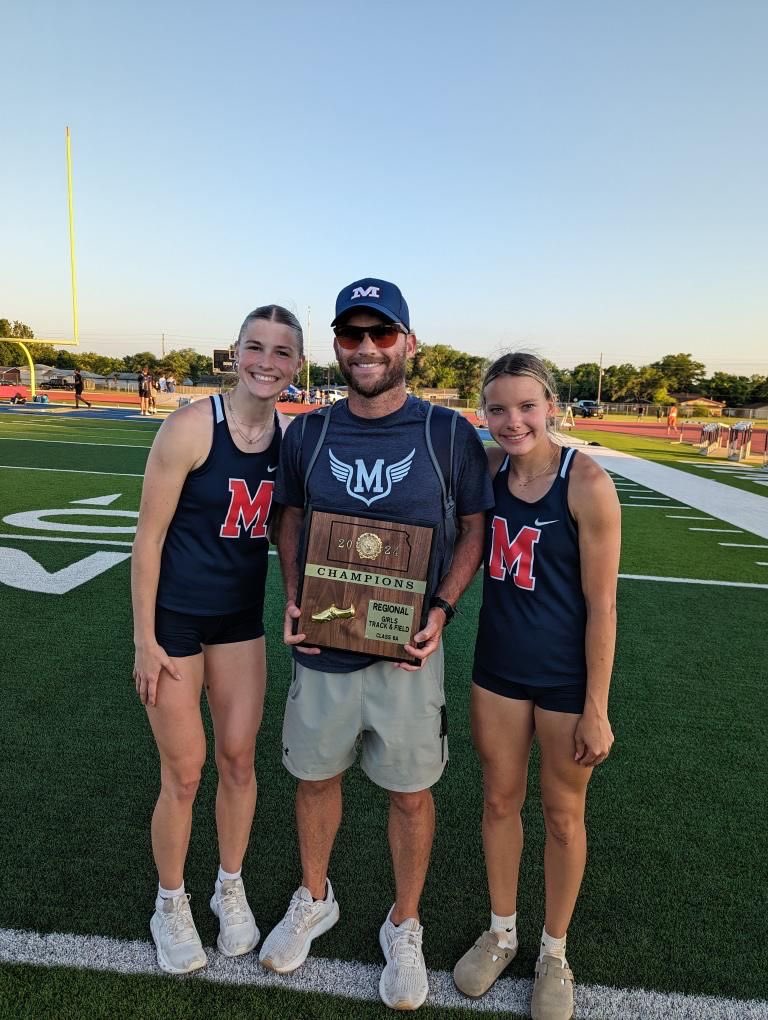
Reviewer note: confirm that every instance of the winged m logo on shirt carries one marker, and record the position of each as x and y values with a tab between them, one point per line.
368	485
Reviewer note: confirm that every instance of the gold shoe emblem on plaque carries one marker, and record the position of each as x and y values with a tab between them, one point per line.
368	546
334	613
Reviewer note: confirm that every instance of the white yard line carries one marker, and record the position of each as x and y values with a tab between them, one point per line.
743	545
687	517
77	541
692	580
654	506
71	471
360	981
71	442
720	531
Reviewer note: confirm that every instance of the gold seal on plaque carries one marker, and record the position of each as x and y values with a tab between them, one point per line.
368	546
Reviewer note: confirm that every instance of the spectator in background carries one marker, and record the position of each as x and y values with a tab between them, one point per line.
145	388
161	385
79	387
170	382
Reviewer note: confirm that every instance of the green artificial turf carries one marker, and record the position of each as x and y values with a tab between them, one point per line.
675	814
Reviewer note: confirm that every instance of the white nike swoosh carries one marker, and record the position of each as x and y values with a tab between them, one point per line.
540	524
271	469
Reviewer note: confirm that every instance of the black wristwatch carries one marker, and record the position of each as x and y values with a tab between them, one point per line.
437	603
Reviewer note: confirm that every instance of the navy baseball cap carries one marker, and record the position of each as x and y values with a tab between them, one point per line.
378	295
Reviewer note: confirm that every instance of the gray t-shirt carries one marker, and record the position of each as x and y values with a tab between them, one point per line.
380	467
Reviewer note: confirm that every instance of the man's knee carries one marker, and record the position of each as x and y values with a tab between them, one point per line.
311	789
411	805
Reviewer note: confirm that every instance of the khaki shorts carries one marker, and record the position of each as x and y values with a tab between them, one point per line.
395	716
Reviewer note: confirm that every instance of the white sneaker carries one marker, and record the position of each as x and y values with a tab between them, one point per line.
179	949
238	933
287	945
403	983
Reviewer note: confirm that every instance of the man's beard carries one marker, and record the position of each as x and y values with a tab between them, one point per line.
393	378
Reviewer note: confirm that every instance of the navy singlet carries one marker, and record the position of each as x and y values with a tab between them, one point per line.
214	559
533	617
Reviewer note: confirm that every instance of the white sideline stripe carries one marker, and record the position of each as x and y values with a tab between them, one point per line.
687	517
720	531
71	471
655	506
71	442
760	563
743	545
654	496
361	981
692	580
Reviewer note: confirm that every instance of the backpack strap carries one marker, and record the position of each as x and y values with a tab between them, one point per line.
440	435
314	425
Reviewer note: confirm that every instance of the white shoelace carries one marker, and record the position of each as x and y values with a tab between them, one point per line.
406	948
299	914
179	921
233	904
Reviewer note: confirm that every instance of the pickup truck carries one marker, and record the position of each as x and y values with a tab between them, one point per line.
588	409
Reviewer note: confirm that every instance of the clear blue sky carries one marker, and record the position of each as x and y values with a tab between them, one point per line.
567	177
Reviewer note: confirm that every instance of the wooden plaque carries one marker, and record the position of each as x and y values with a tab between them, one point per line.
364	584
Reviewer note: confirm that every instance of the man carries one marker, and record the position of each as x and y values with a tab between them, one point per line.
79	387
338	699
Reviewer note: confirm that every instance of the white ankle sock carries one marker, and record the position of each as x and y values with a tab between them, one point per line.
505	929
551	946
168	894
227	876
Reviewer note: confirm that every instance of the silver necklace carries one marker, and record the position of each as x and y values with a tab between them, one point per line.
247	439
538	474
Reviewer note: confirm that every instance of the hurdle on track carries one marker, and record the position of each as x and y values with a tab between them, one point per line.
711	436
740	441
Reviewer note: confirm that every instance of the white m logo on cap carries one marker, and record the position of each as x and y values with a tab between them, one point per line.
359	292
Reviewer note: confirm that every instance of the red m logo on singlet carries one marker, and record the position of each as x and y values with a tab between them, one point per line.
246	511
515	558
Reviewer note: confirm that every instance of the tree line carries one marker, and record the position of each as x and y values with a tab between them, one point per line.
436	366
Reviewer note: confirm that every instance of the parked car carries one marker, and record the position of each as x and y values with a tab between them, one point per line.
57	383
331	395
588	409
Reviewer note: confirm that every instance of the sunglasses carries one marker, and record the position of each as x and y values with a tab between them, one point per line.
383	335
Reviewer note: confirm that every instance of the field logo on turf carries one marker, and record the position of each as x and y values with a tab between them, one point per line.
18	569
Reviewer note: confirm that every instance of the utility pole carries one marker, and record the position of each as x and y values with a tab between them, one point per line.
600	378
162	344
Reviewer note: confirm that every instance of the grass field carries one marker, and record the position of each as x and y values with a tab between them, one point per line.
674	899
